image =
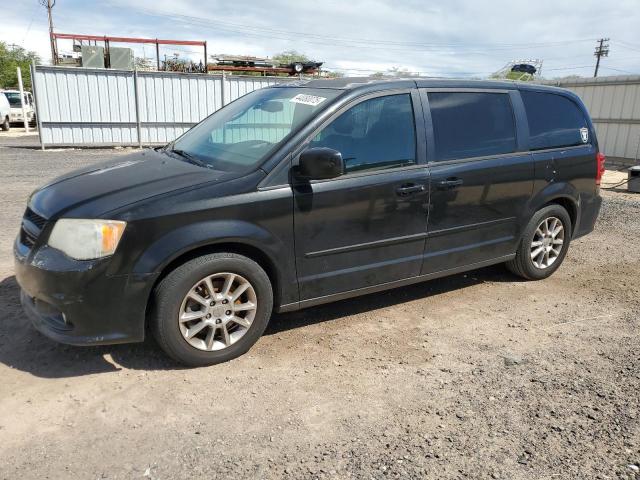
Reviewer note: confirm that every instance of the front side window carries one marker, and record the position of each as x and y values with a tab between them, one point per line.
469	124
244	133
375	134
554	121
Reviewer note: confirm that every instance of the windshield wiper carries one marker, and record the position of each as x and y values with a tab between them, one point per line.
190	158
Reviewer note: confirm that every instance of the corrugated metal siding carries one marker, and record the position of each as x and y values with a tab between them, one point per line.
614	106
252	126
171	103
82	104
78	106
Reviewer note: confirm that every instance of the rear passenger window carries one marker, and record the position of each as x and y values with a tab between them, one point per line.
554	120
470	124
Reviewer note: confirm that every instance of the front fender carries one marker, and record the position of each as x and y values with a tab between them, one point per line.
186	238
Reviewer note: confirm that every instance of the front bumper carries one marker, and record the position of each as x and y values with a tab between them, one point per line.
76	302
18	118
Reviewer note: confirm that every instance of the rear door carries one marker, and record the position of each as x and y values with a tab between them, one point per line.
367	227
481	176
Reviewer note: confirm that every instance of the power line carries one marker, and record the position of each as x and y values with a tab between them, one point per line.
307	37
629	46
617	70
450	48
33	16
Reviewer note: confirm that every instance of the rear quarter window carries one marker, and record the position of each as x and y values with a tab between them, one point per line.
554	120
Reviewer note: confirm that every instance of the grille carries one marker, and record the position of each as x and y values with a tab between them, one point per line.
32	225
34	218
26	238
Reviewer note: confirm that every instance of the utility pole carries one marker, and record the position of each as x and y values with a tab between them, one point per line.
602	50
49	6
25	120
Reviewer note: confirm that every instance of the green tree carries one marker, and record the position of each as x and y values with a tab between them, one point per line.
143	63
12	57
394	72
289	56
520	76
401	72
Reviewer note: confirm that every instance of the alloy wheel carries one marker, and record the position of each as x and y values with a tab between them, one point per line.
217	311
547	242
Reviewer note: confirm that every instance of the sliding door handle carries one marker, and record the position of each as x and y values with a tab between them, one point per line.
408	189
449	183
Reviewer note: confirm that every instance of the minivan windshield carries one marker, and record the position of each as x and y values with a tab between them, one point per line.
240	136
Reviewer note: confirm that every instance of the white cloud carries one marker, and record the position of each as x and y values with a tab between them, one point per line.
458	38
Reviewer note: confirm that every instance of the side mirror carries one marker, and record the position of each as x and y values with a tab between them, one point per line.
320	163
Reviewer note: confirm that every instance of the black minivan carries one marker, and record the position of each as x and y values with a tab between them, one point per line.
302	194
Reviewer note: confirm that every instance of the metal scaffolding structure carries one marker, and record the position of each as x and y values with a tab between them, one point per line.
108	40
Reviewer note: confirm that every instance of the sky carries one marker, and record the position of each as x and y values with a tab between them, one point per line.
448	38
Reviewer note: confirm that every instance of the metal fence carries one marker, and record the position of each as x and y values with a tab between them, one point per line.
81	106
98	107
614	105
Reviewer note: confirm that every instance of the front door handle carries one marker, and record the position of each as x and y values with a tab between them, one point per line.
408	189
450	183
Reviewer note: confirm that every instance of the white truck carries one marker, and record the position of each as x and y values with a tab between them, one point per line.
13	96
5	113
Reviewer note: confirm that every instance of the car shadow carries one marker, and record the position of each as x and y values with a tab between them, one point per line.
387	298
25	349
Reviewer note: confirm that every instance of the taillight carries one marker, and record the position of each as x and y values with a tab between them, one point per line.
600	160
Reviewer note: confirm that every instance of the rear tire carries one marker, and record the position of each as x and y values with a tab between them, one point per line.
225	327
544	244
5	125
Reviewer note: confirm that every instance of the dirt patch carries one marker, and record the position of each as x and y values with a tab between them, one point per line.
479	375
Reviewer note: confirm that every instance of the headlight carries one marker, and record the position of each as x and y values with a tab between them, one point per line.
86	239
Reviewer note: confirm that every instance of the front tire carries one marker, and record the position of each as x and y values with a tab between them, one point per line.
544	244
211	309
5	125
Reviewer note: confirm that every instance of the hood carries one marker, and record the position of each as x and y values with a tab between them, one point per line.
100	188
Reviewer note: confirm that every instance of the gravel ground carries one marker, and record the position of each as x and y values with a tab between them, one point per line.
478	375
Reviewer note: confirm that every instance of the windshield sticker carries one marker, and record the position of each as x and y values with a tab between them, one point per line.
305	99
584	135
